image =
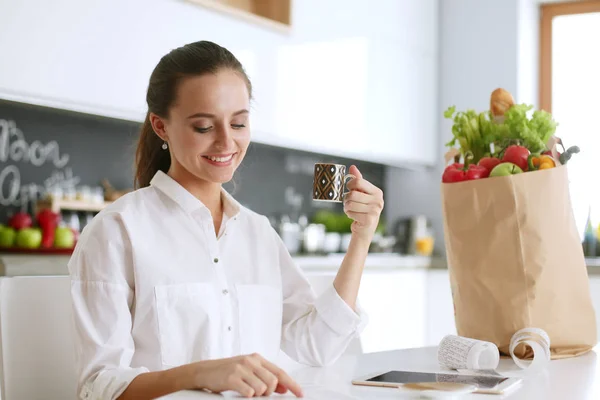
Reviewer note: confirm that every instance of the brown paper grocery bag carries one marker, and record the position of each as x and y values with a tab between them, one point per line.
516	261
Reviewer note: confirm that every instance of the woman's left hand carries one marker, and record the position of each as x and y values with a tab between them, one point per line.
363	204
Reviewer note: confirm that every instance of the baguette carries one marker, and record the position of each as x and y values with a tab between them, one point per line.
500	101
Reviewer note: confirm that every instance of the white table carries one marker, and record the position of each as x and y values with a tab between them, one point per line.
575	378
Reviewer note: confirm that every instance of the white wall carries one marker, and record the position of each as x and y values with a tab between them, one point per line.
529	53
479	52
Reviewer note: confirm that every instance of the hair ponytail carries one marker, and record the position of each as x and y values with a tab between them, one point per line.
150	156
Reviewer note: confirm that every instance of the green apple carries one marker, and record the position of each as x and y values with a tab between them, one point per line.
64	238
506	168
7	236
29	238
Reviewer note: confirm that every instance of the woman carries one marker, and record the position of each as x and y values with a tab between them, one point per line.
176	285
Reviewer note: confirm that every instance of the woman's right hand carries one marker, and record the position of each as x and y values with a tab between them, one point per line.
249	375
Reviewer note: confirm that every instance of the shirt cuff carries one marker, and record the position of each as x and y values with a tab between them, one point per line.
110	384
338	315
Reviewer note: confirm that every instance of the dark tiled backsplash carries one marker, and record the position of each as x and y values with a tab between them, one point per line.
271	181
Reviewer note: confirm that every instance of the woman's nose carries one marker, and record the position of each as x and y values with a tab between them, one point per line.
224	137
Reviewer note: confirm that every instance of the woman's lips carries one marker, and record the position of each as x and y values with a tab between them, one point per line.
222	160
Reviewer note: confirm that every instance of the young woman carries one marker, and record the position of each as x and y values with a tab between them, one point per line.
176	285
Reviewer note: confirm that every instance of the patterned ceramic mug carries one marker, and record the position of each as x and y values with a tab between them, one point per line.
329	182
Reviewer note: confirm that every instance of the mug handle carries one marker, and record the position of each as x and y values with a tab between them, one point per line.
347	177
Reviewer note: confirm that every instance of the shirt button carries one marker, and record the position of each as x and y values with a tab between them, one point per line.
229	328
225	291
216	260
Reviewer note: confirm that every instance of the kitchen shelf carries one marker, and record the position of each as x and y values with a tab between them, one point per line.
38	251
272	14
72	205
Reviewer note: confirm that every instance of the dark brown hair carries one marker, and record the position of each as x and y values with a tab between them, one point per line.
193	59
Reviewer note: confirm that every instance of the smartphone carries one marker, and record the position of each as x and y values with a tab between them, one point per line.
484	383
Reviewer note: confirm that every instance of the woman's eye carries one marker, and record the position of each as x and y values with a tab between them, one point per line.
238	126
202	130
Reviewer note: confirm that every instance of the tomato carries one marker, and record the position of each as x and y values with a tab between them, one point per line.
477	172
517	155
489	162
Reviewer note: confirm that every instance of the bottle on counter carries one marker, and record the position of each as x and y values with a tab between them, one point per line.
291	234
598	241
589	237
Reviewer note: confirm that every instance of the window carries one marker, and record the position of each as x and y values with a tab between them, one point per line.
570	89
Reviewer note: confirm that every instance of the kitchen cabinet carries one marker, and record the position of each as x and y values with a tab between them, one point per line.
395	301
411	307
271	13
366	91
402	104
97	57
350	78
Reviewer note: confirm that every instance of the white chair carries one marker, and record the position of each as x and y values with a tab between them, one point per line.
38	355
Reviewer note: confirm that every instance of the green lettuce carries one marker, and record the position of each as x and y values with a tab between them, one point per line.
476	132
534	132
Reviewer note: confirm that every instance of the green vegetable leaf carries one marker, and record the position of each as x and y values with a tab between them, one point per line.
449	112
475	132
535	131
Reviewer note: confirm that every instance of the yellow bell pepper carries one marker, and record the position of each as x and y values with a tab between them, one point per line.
546	162
540	162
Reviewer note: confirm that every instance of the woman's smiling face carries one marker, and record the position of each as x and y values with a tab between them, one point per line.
208	126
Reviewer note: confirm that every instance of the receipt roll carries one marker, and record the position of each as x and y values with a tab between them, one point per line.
456	352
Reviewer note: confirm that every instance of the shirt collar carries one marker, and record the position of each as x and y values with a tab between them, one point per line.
188	201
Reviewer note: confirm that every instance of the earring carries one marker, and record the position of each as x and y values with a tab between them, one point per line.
165	146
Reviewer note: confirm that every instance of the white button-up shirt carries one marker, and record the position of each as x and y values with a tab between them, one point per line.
153	287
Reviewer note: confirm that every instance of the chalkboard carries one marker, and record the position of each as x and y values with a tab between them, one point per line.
43	147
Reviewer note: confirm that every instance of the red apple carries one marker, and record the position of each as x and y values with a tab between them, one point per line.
20	221
517	155
489	163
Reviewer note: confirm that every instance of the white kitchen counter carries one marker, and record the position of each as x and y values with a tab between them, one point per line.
25	264
572	378
381	261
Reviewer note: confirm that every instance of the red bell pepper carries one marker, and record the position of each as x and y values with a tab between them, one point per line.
457	173
48	221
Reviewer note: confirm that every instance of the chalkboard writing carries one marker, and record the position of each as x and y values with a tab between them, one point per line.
48	150
14	148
